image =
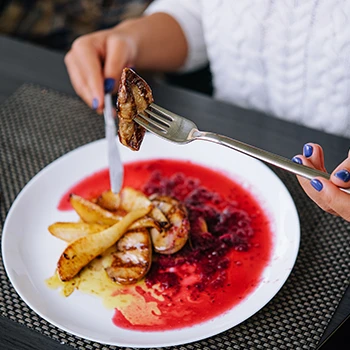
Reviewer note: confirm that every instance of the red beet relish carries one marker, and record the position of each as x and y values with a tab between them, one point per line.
230	241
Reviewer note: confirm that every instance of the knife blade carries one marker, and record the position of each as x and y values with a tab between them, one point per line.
116	168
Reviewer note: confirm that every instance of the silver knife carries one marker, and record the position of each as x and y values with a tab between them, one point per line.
116	169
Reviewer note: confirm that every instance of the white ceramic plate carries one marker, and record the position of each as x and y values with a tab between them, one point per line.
30	253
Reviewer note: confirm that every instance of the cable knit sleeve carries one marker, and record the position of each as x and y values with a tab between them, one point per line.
188	15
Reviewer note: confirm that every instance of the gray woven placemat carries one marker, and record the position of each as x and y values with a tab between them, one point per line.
38	126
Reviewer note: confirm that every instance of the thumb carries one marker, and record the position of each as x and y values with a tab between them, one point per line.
341	174
120	52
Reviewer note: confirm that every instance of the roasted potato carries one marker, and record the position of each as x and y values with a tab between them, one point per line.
91	212
109	201
70	231
81	251
132	199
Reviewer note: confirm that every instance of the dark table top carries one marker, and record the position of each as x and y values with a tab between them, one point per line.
21	62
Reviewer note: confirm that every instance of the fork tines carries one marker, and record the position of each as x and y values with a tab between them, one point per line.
155	118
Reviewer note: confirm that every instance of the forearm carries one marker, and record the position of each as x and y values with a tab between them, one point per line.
159	41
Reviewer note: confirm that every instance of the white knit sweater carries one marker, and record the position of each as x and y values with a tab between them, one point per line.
289	58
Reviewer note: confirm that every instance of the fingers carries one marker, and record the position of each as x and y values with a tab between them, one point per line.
305	183
330	198
312	157
120	52
341	174
95	63
84	67
326	193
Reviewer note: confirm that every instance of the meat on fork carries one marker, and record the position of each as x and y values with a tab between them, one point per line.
134	96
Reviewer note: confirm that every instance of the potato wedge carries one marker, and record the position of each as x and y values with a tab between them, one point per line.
92	213
81	251
131	258
70	231
131	199
109	201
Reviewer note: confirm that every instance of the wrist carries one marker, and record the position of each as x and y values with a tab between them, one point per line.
157	42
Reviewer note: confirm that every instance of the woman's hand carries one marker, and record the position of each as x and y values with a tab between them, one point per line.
96	60
326	193
95	63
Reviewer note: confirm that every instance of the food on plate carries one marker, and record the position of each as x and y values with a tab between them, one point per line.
83	250
131	198
131	257
109	200
70	231
134	96
93	213
130	221
204	238
176	228
96	212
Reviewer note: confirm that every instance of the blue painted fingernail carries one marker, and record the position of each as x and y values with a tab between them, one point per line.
109	84
343	175
308	150
297	160
316	184
94	103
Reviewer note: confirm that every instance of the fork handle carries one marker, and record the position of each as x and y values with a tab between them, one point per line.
265	156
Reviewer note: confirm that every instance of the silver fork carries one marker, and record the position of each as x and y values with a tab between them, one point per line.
175	128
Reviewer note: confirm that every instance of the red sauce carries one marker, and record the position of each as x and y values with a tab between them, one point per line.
89	188
223	262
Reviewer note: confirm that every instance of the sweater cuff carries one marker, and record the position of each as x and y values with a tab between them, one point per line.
188	15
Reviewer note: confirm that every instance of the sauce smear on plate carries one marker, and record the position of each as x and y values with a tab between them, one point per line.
230	245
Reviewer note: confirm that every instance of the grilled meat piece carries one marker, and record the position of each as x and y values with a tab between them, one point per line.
134	96
131	257
172	237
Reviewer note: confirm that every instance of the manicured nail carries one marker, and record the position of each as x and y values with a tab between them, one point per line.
297	160
94	103
109	84
343	175
316	184
308	150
